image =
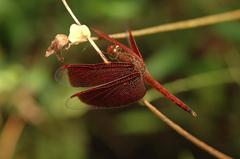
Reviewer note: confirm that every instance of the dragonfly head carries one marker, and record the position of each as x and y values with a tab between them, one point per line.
114	50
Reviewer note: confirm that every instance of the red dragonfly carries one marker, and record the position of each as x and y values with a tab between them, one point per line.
118	83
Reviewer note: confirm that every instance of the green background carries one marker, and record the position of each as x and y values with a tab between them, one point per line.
200	65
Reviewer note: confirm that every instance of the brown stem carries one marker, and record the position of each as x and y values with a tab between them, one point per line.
185	134
186	24
70	12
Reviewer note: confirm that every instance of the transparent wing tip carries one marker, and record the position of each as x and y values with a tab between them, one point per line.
74	103
61	76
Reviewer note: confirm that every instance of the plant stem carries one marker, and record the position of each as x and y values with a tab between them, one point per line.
98	50
185	134
186	24
90	40
70	12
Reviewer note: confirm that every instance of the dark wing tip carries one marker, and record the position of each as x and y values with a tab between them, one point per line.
193	113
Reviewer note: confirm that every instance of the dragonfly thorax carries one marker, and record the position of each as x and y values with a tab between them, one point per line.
117	53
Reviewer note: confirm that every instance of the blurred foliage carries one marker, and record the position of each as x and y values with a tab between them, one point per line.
206	60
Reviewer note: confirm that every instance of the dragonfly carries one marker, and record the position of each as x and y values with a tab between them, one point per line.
118	83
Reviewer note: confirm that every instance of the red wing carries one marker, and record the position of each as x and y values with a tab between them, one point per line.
133	45
85	75
120	92
105	36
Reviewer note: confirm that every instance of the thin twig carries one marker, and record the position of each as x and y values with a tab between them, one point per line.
186	24
98	50
90	40
70	12
185	134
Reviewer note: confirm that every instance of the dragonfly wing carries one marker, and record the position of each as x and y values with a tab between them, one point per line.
85	75
110	39
133	45
117	93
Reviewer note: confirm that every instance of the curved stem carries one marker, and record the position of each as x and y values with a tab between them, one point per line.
88	38
70	12
185	134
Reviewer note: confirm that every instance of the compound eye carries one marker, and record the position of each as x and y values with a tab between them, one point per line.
117	49
113	51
